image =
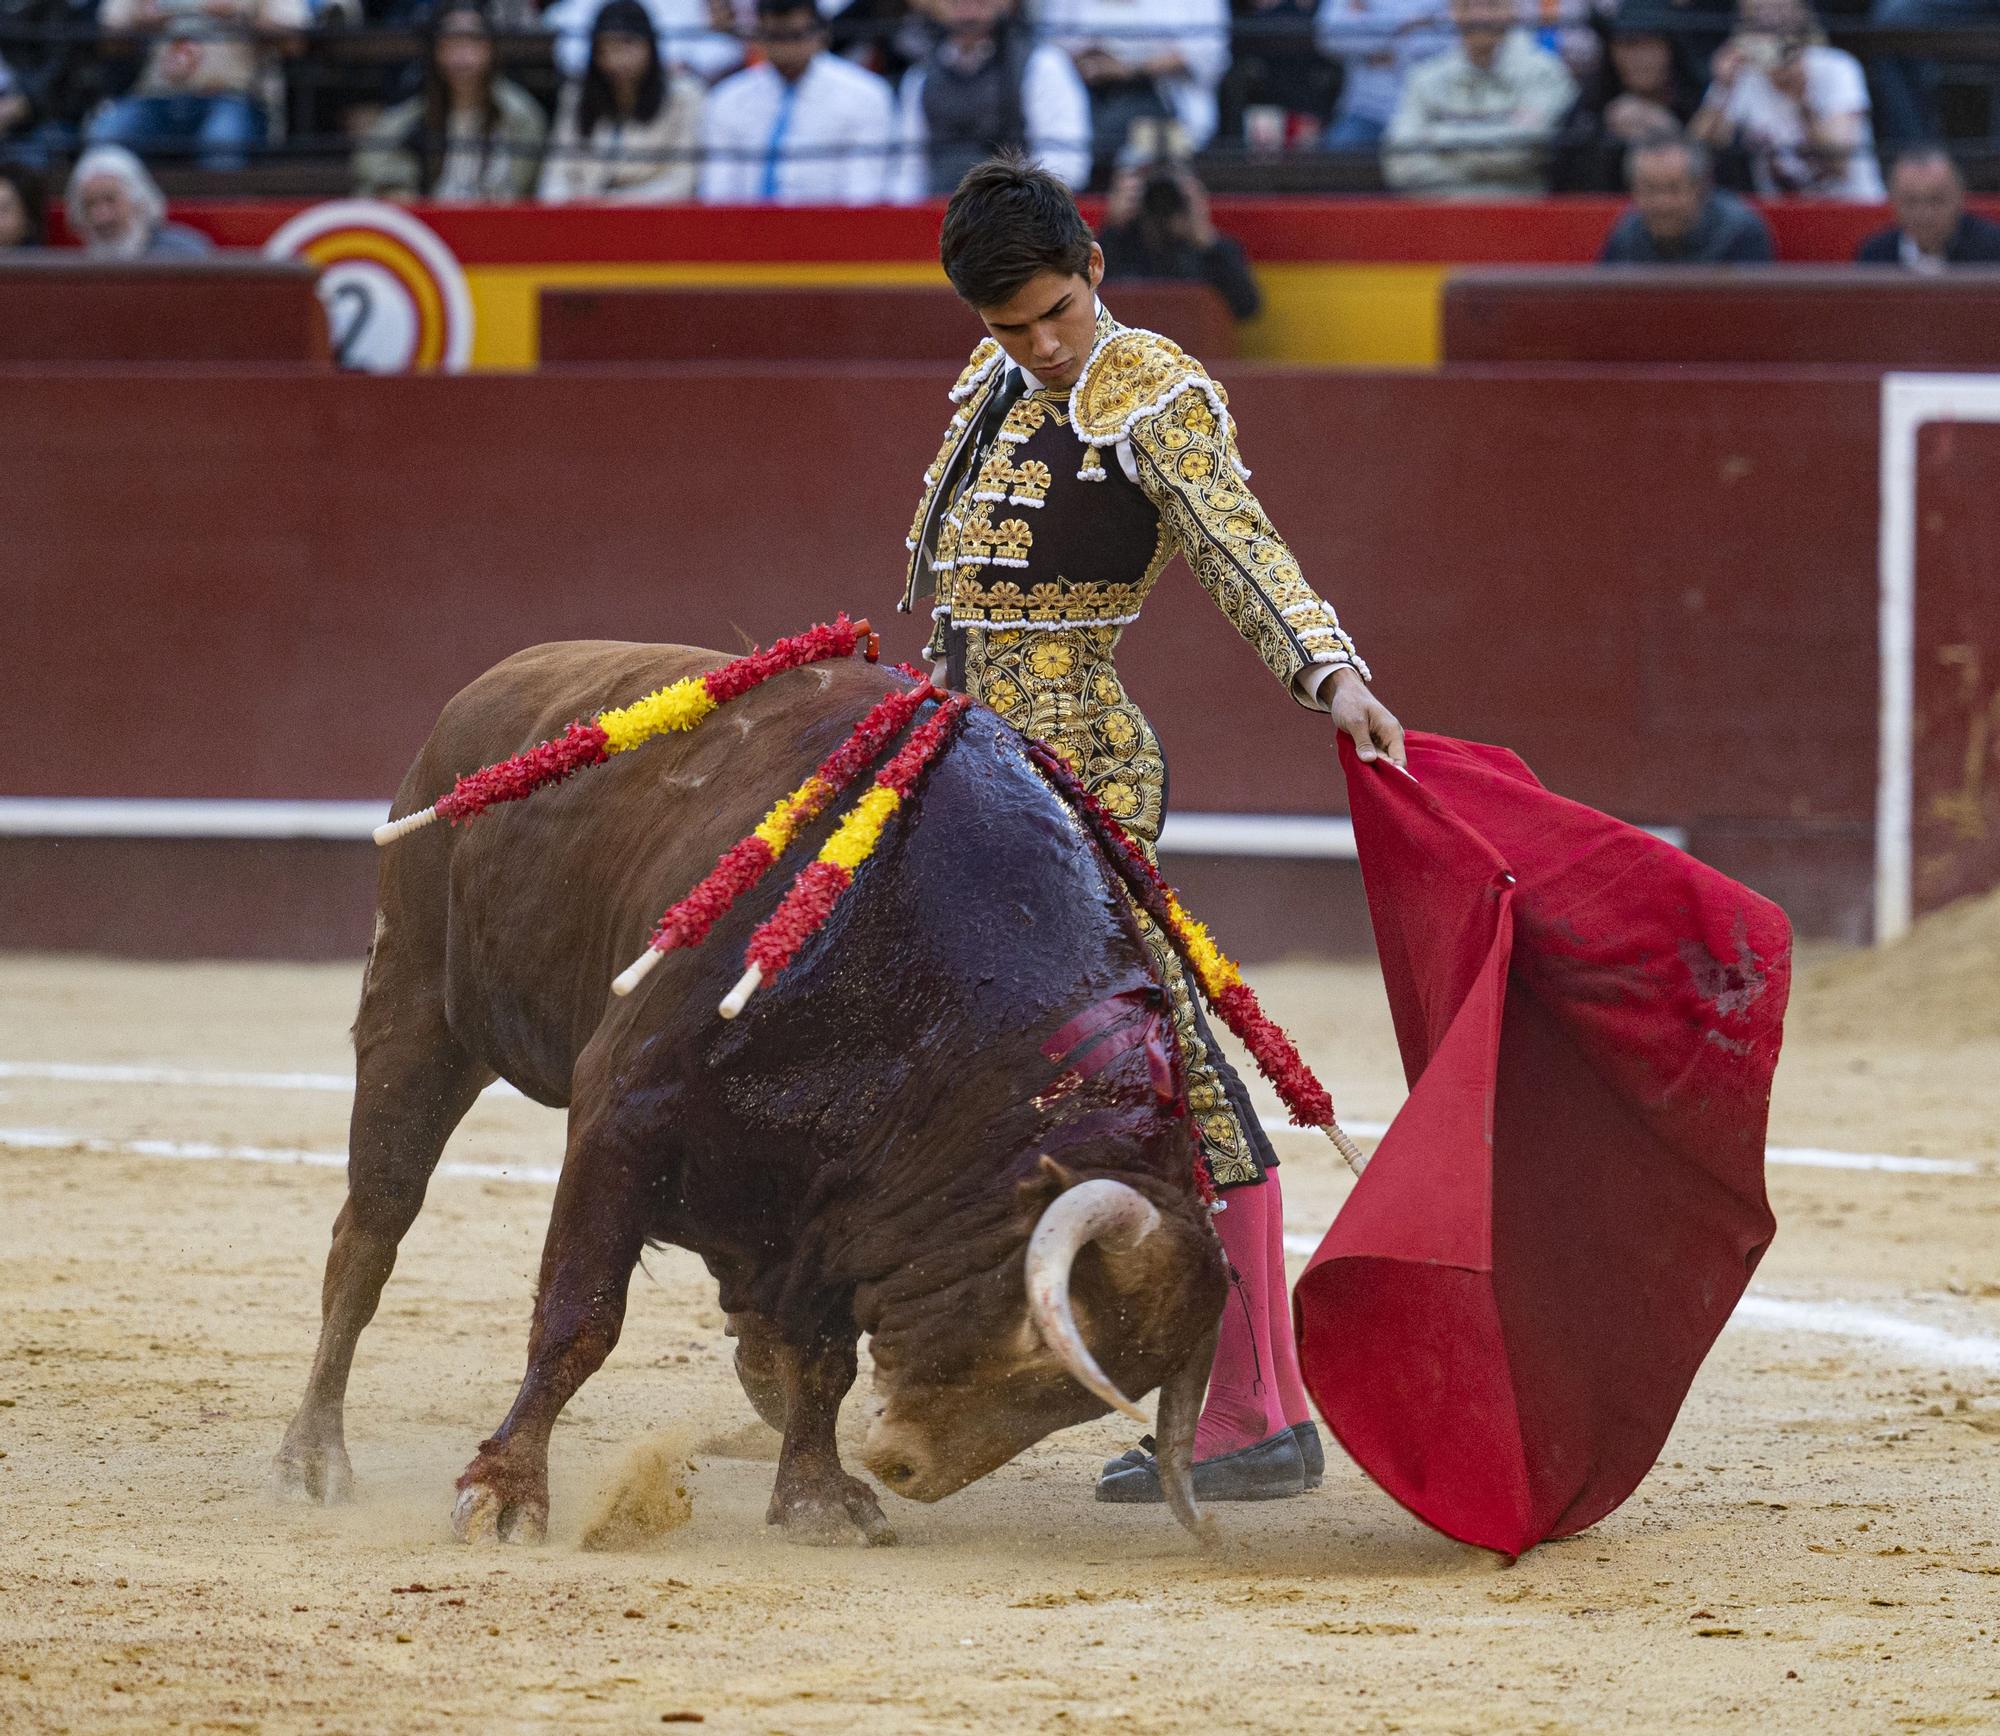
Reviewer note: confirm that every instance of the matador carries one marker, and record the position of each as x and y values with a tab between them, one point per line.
1082	457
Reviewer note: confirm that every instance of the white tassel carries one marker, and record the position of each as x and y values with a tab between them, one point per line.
390	830
738	997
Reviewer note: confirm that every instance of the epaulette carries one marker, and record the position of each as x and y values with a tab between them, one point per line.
1133	374
984	360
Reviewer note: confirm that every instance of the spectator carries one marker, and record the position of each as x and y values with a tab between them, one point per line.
201	89
1933	229
54	61
691	35
470	135
1798	107
1641	89
16	111
1475	122
989	86
21	220
1279	90
1907	86
118	212
1156	224
1377	42
1679	216
628	129
1144	60
804	128
885	36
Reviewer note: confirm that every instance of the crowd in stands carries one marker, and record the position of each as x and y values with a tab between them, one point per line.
1688	103
864	101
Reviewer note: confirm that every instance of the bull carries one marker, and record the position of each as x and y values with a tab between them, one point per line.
881	1145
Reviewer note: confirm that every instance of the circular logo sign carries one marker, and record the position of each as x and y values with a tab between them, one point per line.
395	296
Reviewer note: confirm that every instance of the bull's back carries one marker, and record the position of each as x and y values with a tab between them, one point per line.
539	903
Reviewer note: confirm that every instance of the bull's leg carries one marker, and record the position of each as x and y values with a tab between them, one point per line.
758	1365
595	1236
413	1085
814	1498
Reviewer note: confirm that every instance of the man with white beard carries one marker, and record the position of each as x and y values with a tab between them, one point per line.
119	212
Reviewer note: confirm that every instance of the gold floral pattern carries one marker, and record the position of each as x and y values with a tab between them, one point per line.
1005	602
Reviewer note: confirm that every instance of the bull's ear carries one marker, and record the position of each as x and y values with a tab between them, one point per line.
1043	1183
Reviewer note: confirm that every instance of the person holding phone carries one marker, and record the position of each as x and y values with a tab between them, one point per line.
1795	105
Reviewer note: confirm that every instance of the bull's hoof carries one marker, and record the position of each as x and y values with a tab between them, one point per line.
813	1516
316	1472
481	1514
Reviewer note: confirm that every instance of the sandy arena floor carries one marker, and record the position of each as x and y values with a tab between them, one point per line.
1819	1548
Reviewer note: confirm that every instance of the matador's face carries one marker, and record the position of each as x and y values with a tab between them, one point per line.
1050	322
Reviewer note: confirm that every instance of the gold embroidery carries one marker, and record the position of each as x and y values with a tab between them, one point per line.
994	477
1028	483
1024	420
1186	459
1011	541
1004	600
1129	373
975	535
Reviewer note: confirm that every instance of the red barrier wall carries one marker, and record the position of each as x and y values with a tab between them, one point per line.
1273	231
55	308
830	323
1659	587
1879	317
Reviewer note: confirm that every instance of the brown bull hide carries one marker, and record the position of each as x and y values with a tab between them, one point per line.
859	1152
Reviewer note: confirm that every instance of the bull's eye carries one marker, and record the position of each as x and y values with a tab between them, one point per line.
898	1474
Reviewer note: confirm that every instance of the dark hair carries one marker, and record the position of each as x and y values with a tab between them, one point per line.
1700	164
1914	155
27	187
435	126
1008	223
620	18
785	8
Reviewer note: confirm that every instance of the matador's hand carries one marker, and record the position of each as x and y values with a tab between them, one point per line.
1358	713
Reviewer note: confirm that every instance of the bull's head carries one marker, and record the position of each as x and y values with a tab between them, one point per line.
1100	1291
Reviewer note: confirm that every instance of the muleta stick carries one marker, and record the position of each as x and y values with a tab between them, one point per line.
1306	1100
680	705
820	883
743	864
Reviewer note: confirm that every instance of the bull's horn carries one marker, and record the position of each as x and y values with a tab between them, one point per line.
1093	1211
1180	1408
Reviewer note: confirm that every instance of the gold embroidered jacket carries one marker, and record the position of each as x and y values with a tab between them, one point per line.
1041	526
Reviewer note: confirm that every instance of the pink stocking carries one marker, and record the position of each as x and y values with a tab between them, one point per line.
1244	1403
1284	1339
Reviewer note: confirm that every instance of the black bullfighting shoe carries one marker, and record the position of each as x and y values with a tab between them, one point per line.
1312	1452
1272	1470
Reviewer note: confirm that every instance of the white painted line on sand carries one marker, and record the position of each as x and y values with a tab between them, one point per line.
1931	1346
1849	1320
1803	1156
1854	1320
153	1073
204	1151
135	1073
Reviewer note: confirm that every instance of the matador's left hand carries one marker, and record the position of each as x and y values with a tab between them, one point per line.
1358	713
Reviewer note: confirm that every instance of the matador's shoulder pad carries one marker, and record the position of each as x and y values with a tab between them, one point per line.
1132	375
984	361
